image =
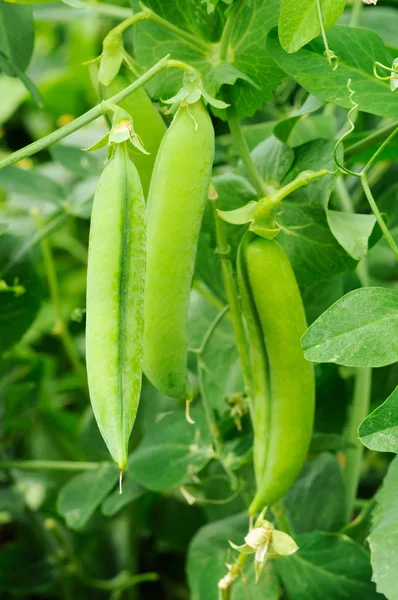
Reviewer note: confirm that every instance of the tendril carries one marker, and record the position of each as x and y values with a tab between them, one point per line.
347	133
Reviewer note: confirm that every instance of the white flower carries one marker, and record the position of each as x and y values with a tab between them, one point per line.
370	1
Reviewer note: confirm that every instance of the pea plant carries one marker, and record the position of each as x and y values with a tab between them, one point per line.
199	299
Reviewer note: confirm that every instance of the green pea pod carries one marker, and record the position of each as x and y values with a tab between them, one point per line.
284	392
176	202
115	310
148	125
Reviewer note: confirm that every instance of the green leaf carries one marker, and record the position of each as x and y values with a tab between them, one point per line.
23	572
383	539
76	160
207	554
249	76
80	497
32	184
352	231
313	251
357	50
316	500
299	21
172	451
16	36
379	431
117	501
325	566
383	20
17	312
273	159
359	330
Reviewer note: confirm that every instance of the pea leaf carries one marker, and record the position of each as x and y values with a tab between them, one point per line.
357	50
273	159
327	565
17	310
79	498
171	451
383	539
379	431
248	73
16	36
316	500
359	330
299	21
352	231
32	184
116	501
383	20
207	554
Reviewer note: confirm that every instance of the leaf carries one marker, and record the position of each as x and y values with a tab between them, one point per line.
17	312
249	76
327	565
357	50
383	20
116	501
76	160
207	554
316	500
16	36
171	451
273	159
352	231
359	330
379	431
383	539
299	21
32	184
79	498
313	251
23	572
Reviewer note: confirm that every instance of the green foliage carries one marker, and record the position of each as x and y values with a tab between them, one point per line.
289	83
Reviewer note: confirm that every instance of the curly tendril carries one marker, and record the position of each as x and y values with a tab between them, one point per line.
347	133
332	58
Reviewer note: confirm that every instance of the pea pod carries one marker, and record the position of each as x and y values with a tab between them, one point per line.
148	125
283	381
115	289
176	203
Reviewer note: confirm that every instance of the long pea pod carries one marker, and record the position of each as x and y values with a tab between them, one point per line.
284	392
115	305
176	203
148	125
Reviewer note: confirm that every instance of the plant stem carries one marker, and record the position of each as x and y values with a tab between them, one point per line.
369	141
61	326
328	52
244	152
85	119
231	291
227	31
359	411
377	214
356	13
49	465
234	572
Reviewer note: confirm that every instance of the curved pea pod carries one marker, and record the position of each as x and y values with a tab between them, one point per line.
175	206
148	125
115	306
276	310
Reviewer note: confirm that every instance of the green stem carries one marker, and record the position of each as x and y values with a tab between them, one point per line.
356	13
234	572
377	214
227	31
244	152
379	150
207	294
49	465
359	411
328	52
83	120
370	141
231	291
61	325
